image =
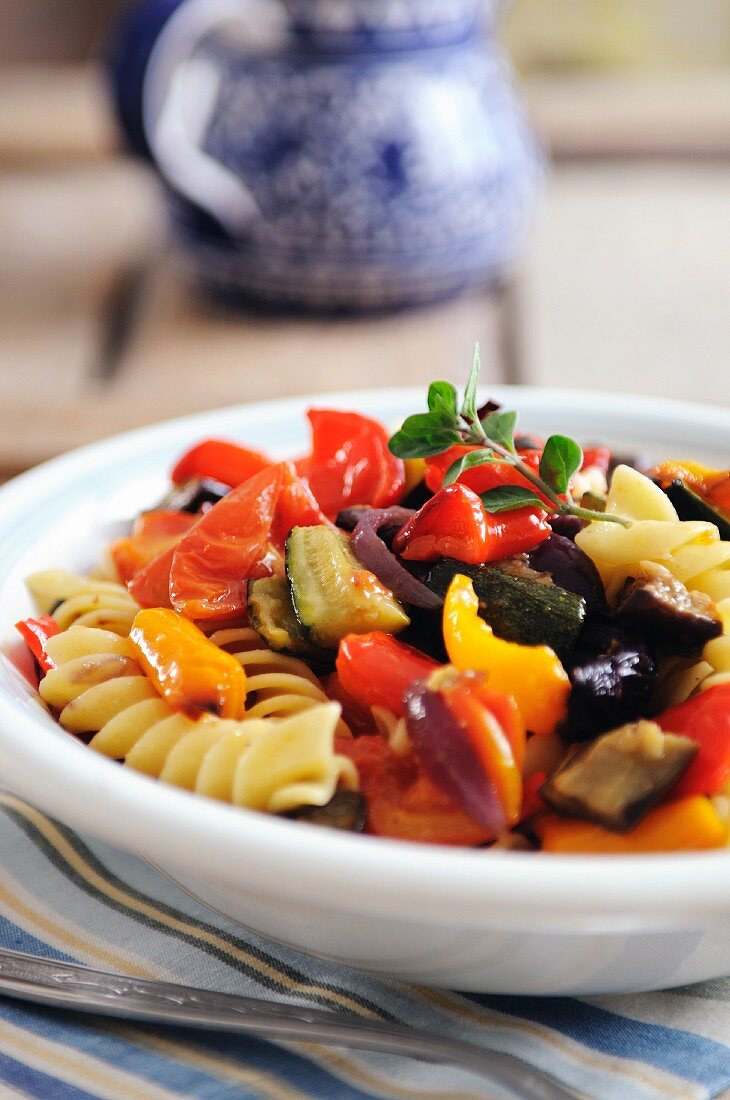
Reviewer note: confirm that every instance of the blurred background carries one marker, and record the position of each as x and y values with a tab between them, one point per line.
621	281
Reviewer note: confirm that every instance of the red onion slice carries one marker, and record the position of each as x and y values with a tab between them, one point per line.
450	759
371	551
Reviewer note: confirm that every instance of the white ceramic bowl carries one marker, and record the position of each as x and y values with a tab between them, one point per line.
489	921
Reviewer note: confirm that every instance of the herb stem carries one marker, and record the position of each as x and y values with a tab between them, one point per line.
474	433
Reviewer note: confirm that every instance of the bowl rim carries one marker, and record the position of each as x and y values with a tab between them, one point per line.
283	859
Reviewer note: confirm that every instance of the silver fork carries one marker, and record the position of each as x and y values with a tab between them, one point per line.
81	989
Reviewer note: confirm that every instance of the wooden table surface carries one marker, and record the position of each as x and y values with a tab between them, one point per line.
626	285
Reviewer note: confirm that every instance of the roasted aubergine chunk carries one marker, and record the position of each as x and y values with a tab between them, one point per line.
657	604
616	779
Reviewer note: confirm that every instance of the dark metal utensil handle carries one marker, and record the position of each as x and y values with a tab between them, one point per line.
67	985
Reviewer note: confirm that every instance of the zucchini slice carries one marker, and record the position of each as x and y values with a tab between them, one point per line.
331	592
271	614
691	505
518	608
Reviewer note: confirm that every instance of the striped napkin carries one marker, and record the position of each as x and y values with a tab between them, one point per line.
64	896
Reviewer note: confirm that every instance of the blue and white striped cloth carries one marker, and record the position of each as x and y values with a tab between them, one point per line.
67	897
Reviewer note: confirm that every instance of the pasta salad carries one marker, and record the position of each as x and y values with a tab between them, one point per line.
459	634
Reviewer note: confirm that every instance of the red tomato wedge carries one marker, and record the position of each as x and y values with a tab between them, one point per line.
151	586
152	534
706	719
227	547
376	670
239	539
402	802
350	462
296	507
221	461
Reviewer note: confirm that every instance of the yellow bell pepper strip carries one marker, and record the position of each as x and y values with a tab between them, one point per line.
532	675
188	671
687	825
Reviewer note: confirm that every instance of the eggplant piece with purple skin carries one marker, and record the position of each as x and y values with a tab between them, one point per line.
662	608
570	568
613	674
615	780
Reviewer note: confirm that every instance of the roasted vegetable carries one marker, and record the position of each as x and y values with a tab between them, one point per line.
350	462
471	743
271	613
518	604
532	675
688	825
402	801
219	460
612	673
454	524
377	669
660	607
691	506
371	551
570	568
706	719
193	495
346	810
567	526
333	595
616	779
187	670
35	633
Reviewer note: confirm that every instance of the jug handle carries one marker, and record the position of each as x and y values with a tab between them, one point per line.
172	132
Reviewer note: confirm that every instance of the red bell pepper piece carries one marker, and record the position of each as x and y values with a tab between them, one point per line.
221	461
35	633
706	719
402	802
480	479
350	462
376	670
597	456
454	524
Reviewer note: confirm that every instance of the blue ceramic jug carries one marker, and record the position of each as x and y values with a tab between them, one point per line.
333	154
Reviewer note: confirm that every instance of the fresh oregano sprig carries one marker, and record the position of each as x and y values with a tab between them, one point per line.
447	423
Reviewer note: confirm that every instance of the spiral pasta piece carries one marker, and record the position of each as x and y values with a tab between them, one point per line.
75	600
691	550
274	764
278	685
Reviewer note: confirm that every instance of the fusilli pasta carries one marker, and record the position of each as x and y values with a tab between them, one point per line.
74	600
280	685
262	763
691	550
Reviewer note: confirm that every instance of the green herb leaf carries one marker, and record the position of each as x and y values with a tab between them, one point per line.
443	398
469	404
423	435
561	458
504	498
467	462
500	426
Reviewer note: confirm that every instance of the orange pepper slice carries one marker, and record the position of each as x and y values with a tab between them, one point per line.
687	825
187	670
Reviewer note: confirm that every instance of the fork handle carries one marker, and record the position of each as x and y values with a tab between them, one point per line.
81	989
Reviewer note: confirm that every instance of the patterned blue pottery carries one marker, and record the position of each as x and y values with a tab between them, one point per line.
333	154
